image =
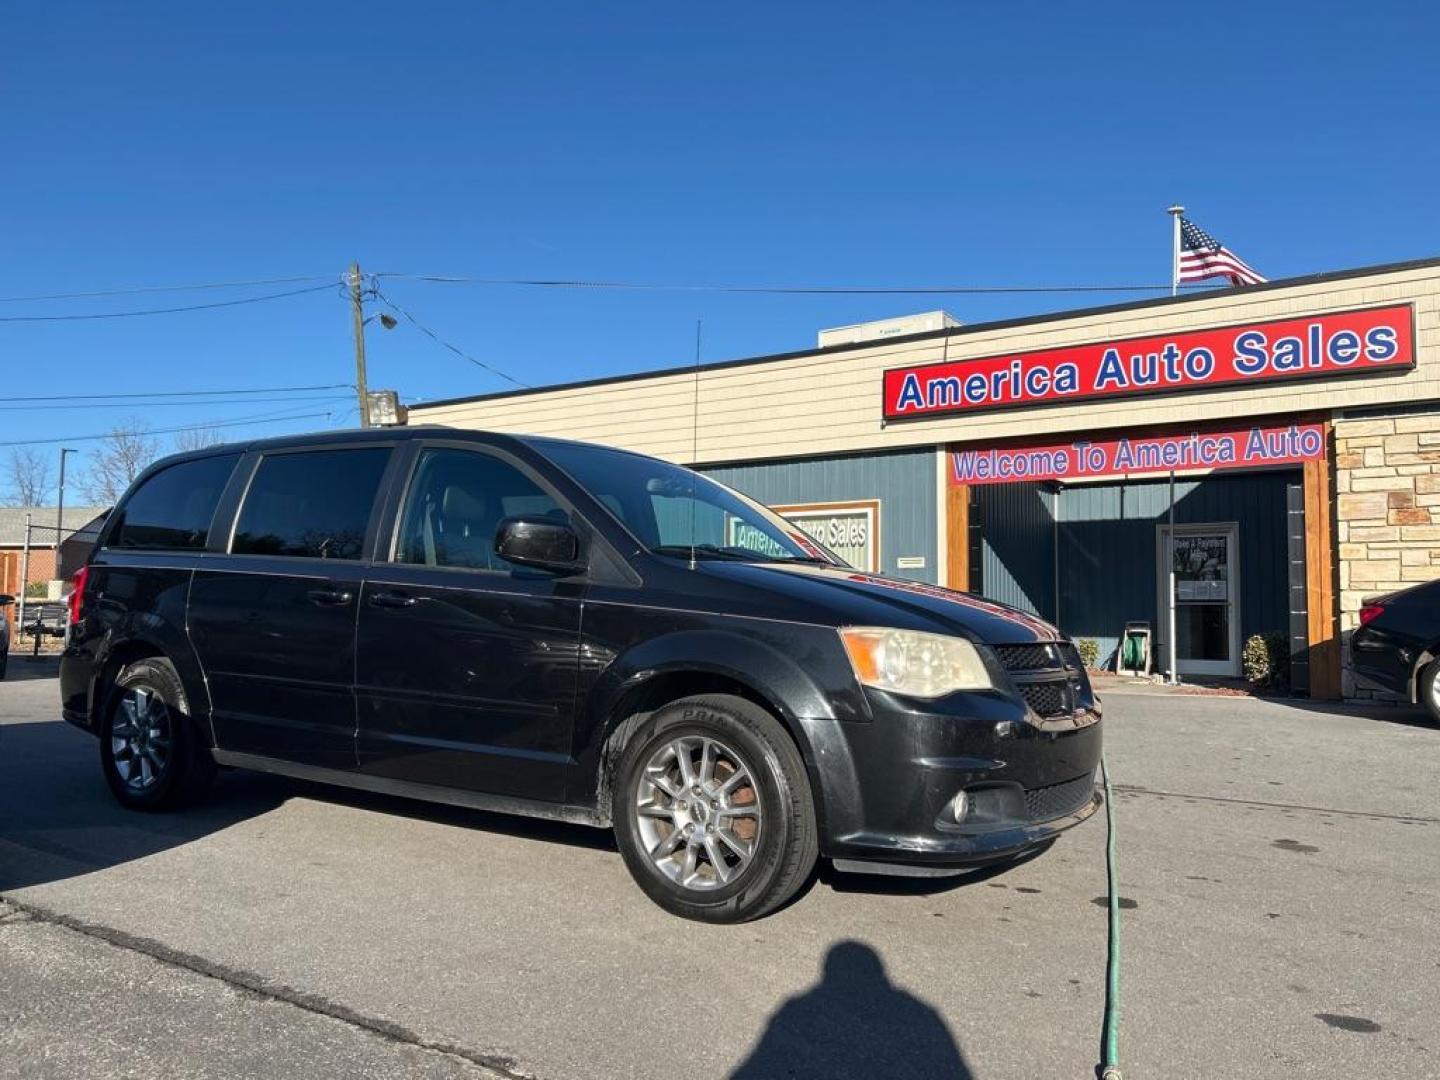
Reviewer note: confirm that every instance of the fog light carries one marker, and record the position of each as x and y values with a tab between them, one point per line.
959	807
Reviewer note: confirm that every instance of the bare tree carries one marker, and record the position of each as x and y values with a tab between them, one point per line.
29	475
121	456
197	438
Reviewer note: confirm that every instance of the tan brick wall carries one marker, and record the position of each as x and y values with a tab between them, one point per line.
1387	514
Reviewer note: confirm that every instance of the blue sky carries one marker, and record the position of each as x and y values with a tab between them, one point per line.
829	143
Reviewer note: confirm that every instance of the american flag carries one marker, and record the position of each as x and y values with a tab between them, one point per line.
1202	256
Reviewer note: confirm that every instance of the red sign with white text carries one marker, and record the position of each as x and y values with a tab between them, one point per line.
1083	459
1312	346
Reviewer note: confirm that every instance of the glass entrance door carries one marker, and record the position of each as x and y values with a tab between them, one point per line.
1207	598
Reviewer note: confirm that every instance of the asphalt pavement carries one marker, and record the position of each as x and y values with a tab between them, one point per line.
1279	866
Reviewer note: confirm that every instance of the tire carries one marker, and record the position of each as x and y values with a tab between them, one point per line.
745	844
1428	691
4	663
172	767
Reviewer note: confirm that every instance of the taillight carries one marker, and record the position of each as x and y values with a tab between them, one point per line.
1370	612
77	593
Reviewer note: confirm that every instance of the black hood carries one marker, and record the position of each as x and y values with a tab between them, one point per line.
852	597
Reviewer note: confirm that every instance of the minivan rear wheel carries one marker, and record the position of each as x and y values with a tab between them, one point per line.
713	811
150	752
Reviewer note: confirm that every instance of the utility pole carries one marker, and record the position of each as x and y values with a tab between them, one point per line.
60	507
357	303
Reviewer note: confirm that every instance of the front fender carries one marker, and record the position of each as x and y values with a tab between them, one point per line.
795	691
1421	662
799	672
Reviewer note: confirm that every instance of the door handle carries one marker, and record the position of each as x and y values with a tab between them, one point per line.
328	597
391	599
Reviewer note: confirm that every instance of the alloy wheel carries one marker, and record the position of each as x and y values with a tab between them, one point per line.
697	812
140	738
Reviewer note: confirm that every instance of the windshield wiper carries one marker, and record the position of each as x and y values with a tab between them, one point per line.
701	551
711	551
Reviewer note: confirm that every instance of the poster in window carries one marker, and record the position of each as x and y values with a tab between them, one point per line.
1202	568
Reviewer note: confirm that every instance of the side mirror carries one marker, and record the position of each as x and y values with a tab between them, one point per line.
541	542
6	598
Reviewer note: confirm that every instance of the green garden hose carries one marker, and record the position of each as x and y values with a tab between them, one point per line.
1133	657
1110	1033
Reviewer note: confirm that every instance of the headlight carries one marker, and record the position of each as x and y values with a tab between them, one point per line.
909	662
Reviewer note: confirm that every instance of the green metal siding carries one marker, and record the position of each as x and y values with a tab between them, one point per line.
903	481
1017	549
1107	550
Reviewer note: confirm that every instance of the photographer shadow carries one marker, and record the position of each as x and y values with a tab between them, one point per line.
854	1023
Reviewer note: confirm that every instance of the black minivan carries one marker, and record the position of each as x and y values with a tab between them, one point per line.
559	629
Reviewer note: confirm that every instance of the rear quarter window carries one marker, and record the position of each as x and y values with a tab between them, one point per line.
174	508
312	504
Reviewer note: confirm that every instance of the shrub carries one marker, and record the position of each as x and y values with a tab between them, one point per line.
1089	651
1266	661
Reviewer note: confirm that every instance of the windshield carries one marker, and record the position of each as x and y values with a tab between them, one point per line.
671	509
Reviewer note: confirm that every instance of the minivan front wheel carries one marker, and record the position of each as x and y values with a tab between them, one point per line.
150	752
713	811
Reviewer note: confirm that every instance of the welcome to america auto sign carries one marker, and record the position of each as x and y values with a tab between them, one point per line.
1089	459
1314	346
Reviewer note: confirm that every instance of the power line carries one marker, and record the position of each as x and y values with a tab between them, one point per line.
552	283
162	404
441	341
817	290
133	290
261	419
185	393
164	311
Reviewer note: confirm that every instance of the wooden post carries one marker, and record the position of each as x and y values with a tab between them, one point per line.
1321	615
957	536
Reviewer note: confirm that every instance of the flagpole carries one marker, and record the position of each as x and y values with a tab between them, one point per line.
1175	212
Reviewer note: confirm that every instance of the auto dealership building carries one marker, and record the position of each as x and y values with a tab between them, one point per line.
1031	460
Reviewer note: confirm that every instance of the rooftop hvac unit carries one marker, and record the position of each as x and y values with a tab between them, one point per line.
887	328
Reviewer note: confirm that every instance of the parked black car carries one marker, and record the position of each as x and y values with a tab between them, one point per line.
1396	648
564	630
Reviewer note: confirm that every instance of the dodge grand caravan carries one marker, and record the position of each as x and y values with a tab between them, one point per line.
551	628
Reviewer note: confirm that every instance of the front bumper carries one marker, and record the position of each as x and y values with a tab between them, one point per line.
889	853
888	788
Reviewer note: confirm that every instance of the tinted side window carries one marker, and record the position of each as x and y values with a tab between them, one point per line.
456	503
314	504
174	507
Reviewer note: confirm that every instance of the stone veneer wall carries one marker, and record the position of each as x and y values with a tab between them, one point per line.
1387	483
